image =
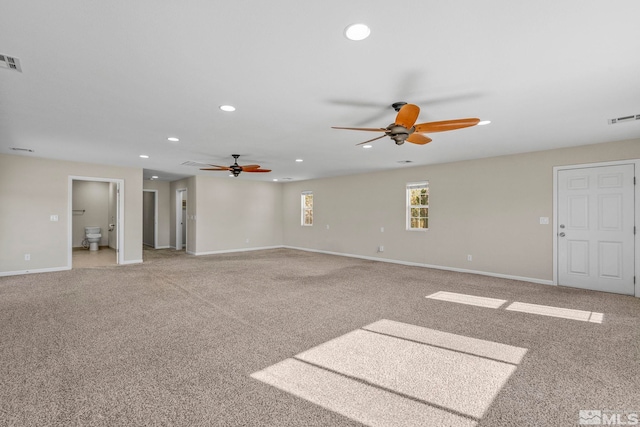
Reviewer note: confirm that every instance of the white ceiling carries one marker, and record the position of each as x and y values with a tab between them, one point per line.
106	81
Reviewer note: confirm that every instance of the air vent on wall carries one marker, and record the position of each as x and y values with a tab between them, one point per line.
624	119
22	149
10	63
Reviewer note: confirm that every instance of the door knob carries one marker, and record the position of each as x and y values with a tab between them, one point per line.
561	234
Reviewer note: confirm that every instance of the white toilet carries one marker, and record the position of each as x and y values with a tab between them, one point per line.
93	236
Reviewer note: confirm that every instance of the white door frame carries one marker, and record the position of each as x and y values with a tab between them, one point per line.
556	169
179	194
155	216
119	219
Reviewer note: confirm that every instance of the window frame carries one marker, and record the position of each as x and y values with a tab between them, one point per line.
304	209
413	186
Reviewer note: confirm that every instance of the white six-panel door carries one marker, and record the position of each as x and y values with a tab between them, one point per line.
595	228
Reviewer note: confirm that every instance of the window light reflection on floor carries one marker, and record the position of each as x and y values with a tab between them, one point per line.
392	373
543	310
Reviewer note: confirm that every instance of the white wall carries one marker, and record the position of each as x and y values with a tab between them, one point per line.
32	189
235	214
488	208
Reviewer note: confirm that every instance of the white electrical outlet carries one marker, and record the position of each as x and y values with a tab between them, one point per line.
27	257
544	220
247	240
53	217
382	229
381	248
327	226
469	258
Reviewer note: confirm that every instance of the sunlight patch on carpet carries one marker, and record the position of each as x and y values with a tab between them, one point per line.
564	313
468	299
543	310
395	373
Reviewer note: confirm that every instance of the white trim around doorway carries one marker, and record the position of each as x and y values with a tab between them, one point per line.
119	220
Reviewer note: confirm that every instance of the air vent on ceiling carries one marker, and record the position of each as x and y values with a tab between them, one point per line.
22	149
624	119
10	63
193	163
405	161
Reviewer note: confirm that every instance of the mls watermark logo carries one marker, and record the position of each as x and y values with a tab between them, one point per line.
590	417
597	417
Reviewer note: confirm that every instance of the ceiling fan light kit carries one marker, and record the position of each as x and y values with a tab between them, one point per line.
405	129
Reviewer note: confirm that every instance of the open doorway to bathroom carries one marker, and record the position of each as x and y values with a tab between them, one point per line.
95	207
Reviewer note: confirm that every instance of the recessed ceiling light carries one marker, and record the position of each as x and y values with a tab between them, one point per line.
154	177
275	179
227	108
357	32
173	139
484	122
299	160
231	175
367	146
144	156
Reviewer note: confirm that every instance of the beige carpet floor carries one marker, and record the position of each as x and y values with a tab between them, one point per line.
291	338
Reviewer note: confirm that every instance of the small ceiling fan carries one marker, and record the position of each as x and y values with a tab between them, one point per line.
235	168
405	129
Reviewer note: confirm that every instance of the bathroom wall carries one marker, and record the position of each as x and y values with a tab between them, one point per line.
90	209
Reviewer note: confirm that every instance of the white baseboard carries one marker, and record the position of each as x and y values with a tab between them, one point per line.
437	267
38	270
226	251
164	247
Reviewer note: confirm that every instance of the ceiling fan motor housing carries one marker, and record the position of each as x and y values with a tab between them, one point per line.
398	133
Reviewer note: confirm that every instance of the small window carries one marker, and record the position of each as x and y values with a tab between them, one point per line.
307	208
418	206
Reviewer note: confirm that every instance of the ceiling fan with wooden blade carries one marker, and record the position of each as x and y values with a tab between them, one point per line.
235	168
405	129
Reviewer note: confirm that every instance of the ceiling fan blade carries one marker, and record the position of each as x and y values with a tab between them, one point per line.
215	169
366	129
416	138
446	125
258	170
371	140
407	115
245	167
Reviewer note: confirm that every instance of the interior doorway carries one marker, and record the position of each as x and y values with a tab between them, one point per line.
150	218
595	217
181	219
96	202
